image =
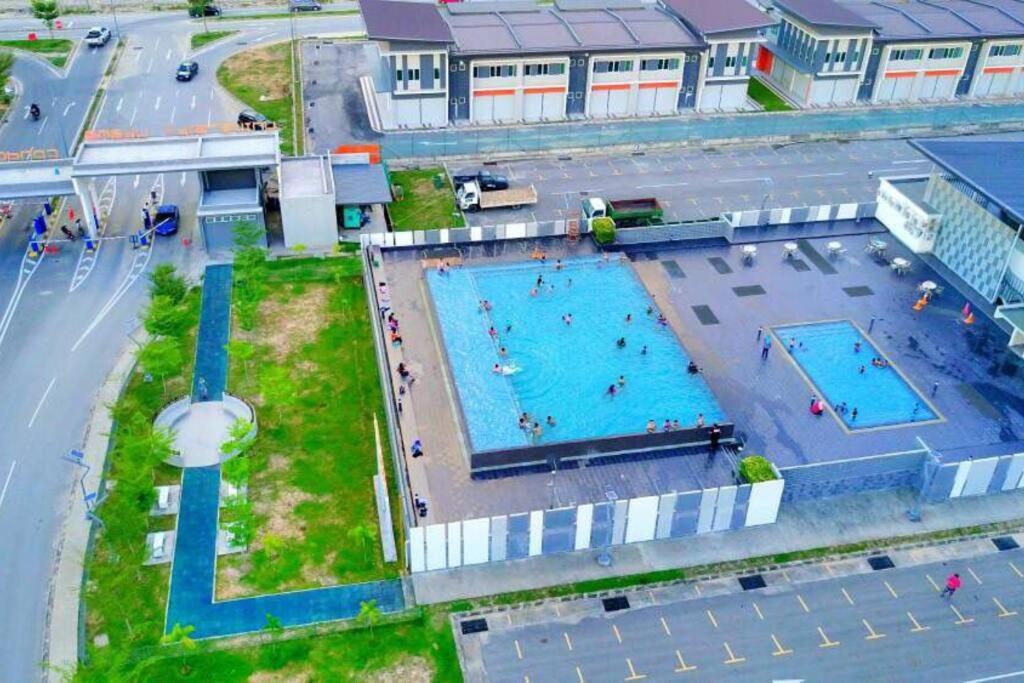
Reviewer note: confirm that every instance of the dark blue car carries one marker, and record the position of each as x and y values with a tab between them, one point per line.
166	220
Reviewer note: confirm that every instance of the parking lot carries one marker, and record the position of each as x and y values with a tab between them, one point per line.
854	624
692	184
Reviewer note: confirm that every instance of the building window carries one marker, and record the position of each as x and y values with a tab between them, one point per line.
711	62
904	55
399	75
730	61
496	71
617	66
437	73
659	64
828	57
413	75
743	61
840	57
945	53
553	69
1004	51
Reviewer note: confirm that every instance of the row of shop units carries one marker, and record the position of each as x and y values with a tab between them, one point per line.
917	78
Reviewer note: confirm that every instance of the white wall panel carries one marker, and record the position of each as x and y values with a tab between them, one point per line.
417	549
584	522
454	544
763	506
1014	472
723	508
706	519
963	468
979	477
536	531
643	516
476	540
666	506
437	550
846	211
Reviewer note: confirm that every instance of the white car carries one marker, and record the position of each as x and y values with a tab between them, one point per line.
97	36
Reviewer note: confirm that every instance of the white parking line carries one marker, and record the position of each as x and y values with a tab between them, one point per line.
910	161
156	104
173	110
183	176
822	175
39	131
168	57
149	69
135	183
193	105
662	185
68	108
39	405
3	493
131	121
120	101
1000	677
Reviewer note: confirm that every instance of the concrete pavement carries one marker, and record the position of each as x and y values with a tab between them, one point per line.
842	620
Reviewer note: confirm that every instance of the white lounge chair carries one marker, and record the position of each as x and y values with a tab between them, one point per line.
163	497
159	541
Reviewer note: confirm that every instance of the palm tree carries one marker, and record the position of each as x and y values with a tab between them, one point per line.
369	614
180	637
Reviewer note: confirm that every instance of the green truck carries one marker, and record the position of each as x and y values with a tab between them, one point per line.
627	213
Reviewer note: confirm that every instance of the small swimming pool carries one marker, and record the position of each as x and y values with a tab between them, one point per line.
564	370
879	394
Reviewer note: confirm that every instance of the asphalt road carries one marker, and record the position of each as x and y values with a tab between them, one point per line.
65	321
695	184
889	625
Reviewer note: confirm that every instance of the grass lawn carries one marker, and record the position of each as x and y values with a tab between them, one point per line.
264	72
312	464
55	50
203	39
423	205
764	96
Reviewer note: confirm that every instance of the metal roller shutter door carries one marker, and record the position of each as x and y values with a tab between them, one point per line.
646	100
599	104
483	108
618	102
504	108
554	105
665	100
533	106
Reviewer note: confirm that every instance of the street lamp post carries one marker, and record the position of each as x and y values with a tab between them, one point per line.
931	466
117	29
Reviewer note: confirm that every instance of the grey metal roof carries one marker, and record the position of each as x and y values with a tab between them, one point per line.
306	177
824	13
550	29
992	167
360	184
719	16
939	19
186	153
414	21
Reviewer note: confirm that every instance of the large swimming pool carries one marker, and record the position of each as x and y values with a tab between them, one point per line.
564	370
827	354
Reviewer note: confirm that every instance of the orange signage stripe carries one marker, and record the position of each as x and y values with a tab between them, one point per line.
503	91
659	84
900	74
942	72
610	86
998	70
545	89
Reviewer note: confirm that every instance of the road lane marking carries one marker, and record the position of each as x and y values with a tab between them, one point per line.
7	482
917	627
911	161
932	582
508	617
679	184
822	175
961	620
39	131
872	634
156	104
193	105
579	675
131	120
825	642
651	595
664	625
167	57
733	659
998	677
149	69
173	110
803	604
1003	612
973	575
120	102
568	640
183	176
618	636
519	650
785	574
779	650
683	667
714	622
39	405
135	182
696	587
68	108
758	610
1016	571
892	591
633	675
847	596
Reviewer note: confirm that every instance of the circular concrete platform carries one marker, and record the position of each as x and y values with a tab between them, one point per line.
199	429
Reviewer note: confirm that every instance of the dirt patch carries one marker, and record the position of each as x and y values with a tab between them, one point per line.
407	670
229	580
261	69
290	675
279	514
296	320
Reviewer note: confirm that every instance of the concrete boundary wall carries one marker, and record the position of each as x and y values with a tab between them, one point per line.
593	525
976	477
801	214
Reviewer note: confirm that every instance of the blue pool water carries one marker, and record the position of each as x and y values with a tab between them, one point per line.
881	395
565	370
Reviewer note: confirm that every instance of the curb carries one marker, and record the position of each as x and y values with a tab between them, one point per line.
61	646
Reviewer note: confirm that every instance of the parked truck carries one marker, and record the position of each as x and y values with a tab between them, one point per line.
626	213
470	197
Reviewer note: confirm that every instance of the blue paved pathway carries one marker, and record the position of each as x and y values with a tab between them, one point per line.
193	573
561	136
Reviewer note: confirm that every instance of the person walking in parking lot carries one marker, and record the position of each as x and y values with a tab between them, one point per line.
952	584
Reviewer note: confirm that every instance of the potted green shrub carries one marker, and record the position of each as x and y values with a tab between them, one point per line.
604	230
756	468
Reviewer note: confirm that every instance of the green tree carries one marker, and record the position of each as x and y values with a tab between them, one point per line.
241	350
369	614
272	544
180	638
248	234
364	534
239	438
277	388
46	11
198	8
161	358
6	64
274	629
165	281
243	525
165	318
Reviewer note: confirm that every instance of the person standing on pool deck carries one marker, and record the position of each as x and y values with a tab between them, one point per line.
714	435
760	331
766	347
651	427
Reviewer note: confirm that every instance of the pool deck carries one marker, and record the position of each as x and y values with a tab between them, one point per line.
979	384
